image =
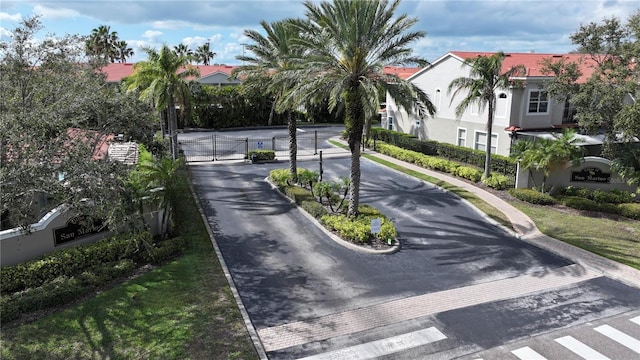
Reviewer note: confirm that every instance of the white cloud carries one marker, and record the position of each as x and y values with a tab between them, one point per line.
4	17
152	35
5	34
55	13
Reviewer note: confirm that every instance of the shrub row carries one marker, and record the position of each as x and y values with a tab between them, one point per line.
532	196
499	164
612	196
496	181
55	279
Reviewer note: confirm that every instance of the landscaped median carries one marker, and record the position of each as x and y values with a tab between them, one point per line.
370	231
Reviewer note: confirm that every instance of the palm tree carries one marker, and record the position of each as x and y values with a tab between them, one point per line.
549	155
485	78
163	79
183	50
204	54
348	43
102	43
124	51
271	55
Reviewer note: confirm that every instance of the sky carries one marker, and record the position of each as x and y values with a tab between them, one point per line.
473	25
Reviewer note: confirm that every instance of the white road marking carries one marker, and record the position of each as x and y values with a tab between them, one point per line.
378	348
300	130
619	337
580	349
636	320
527	353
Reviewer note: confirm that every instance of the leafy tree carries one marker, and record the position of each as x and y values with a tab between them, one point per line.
549	155
203	54
54	113
607	101
272	55
347	44
163	79
485	78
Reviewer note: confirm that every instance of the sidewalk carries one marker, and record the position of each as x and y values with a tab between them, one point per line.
526	229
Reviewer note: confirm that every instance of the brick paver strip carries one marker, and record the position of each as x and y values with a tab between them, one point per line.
348	322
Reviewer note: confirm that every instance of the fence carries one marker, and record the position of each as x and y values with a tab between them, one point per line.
220	147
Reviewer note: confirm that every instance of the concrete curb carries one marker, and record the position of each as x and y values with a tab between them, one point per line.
393	249
253	333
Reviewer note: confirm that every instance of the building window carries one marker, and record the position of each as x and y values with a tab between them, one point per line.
538	102
462	137
568	113
438	99
501	105
480	142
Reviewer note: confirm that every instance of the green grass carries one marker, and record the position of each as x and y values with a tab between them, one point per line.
181	310
618	240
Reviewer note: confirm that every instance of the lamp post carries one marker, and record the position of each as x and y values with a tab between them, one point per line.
243	46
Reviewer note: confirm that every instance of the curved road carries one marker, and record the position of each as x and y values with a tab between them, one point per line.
287	270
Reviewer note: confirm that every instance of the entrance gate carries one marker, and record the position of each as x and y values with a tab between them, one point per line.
220	147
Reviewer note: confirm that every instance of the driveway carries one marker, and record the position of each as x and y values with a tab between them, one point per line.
288	271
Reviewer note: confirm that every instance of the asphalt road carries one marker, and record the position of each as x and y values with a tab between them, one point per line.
288	270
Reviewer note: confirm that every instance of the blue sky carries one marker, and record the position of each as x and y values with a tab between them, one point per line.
473	25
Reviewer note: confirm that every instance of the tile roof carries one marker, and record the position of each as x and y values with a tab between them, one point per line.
401	72
533	61
118	71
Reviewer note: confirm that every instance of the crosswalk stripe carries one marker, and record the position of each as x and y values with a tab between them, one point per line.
580	349
636	320
379	348
527	353
619	337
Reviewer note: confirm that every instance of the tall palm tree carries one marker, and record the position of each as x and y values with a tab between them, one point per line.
183	50
204	54
124	51
271	55
102	43
485	78
349	42
163	79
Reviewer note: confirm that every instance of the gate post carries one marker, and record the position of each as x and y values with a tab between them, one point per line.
246	148
213	142
273	143
315	142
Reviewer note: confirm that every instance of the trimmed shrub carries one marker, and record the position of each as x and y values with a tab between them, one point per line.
579	203
496	181
358	230
468	173
532	196
262	155
630	210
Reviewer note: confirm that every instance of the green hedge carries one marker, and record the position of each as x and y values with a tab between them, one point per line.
612	196
532	196
500	164
630	210
59	277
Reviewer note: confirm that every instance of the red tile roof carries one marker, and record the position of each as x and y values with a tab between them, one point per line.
401	72
533	61
118	71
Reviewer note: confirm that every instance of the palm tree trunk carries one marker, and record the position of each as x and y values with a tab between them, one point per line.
487	159
354	181
173	128
293	147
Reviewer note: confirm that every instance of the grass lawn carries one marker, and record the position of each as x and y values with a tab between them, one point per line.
618	240
181	310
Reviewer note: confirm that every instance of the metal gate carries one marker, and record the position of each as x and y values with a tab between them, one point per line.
219	147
